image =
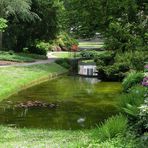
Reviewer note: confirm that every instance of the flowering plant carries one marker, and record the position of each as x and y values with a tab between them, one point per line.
146	66
145	81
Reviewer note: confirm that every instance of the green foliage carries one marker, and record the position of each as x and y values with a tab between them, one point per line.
36	50
43	45
45	27
123	23
3	24
109	68
89	54
116	65
133	78
121	39
118	142
113	127
142	123
20	9
116	71
144	140
136	59
130	102
65	41
106	57
64	63
81	18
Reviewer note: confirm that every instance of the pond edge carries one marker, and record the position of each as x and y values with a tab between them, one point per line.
35	82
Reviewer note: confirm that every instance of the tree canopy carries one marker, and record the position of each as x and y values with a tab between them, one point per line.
122	23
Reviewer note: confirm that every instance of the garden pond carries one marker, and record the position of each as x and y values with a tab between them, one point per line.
65	103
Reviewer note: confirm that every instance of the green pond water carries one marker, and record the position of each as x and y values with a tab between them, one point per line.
70	103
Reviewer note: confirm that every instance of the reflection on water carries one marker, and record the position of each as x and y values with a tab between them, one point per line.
64	103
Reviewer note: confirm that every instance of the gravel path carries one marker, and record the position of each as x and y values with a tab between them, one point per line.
51	58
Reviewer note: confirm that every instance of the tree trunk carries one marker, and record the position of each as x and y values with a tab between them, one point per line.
1	40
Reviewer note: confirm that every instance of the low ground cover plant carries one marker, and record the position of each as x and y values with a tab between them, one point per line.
132	79
113	127
130	102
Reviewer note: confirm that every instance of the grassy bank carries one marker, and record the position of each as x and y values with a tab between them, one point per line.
20	57
39	138
13	79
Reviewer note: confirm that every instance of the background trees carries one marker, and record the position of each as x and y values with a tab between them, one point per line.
16	9
81	17
23	31
122	23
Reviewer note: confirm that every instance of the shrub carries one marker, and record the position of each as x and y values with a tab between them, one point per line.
130	102
109	69
135	59
34	50
65	41
112	127
91	54
138	60
43	45
63	62
107	57
132	79
39	47
116	71
144	140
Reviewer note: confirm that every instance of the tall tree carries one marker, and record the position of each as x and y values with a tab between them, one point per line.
81	17
46	28
123	23
16	8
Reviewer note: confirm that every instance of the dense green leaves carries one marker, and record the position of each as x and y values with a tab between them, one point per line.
121	22
113	127
24	34
17	8
3	24
81	17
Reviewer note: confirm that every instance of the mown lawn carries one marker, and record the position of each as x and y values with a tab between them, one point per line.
66	54
20	57
91	44
43	138
13	79
46	138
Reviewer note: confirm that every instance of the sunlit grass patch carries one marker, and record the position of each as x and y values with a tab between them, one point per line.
91	44
12	79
